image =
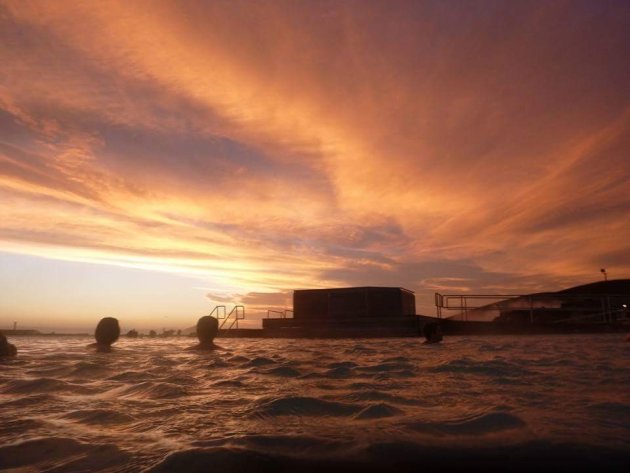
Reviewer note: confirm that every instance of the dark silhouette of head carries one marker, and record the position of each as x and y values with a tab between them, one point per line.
107	331
207	329
6	348
432	332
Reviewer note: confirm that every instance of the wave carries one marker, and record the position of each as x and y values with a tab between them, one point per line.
238	359
614	408
61	454
284	372
132	376
163	361
402	409
340	372
235	459
398	456
387	375
153	390
87	369
342	364
305	406
361	350
17	427
396	359
388	368
99	417
43	385
378	411
27	401
49	372
489	347
376	395
181	379
260	361
477	425
294	444
489	368
230	383
218	363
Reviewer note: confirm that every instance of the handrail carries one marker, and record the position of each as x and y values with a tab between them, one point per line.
217	309
239	314
270	311
560	302
283	313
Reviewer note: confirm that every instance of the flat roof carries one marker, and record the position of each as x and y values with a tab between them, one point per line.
356	287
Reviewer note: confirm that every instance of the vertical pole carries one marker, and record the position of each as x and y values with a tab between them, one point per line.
531	310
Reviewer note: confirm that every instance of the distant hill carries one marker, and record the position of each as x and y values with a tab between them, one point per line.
190	330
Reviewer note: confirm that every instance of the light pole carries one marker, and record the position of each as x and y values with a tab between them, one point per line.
603	270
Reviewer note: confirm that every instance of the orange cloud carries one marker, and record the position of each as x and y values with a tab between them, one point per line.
274	145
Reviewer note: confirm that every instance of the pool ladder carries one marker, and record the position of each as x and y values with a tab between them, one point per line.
228	320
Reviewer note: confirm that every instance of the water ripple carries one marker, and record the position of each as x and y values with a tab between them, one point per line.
312	405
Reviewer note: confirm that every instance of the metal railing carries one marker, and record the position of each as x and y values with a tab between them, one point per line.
228	320
231	319
547	307
283	314
218	312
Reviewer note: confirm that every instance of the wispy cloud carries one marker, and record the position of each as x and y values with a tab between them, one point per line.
281	145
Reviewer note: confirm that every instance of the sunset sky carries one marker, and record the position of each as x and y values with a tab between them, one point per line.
157	158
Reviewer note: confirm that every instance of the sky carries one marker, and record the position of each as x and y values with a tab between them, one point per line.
159	158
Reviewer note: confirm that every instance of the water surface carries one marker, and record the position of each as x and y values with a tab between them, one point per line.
282	405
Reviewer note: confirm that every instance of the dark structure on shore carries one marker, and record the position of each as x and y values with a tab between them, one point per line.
596	307
349	312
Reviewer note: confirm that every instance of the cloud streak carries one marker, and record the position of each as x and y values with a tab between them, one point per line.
268	146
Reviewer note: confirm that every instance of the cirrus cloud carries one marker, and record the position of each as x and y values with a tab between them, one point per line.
267	146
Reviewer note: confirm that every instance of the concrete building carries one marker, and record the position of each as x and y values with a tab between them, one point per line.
349	312
353	303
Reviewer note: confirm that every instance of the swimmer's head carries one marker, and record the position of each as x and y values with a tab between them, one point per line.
6	348
207	329
432	332
107	331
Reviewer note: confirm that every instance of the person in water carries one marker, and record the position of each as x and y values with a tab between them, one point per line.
107	332
432	333
6	348
207	329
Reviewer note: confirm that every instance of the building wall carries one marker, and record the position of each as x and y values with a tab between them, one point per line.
353	303
408	303
310	304
347	303
384	302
